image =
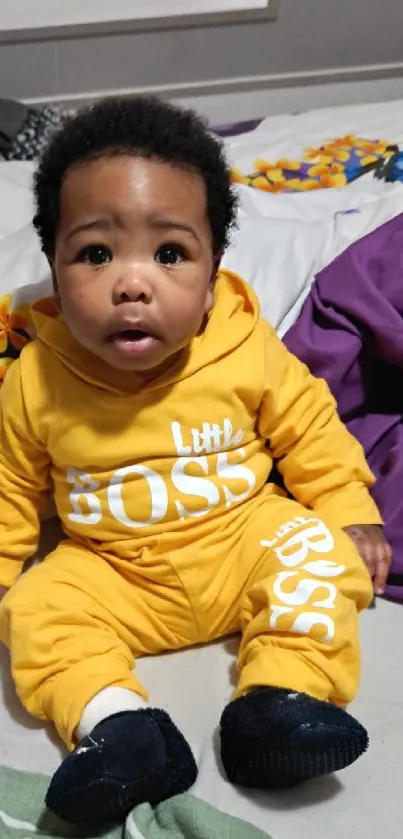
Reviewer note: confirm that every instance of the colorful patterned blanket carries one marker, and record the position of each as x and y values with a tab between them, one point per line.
17	326
334	164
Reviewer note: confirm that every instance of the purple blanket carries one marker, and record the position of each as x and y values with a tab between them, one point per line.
350	332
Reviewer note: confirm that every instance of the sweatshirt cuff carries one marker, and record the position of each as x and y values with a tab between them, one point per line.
352	508
10	570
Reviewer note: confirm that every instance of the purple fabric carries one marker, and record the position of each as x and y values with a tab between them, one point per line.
236	128
350	332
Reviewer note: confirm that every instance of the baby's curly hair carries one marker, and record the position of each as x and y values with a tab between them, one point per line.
143	127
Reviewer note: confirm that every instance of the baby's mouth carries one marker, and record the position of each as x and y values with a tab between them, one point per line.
131	335
133	341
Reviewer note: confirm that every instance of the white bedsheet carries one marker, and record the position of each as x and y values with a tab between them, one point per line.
283	241
363	802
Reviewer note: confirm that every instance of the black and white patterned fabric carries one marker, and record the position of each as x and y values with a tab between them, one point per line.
35	132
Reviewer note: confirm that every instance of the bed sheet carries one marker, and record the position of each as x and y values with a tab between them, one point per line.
363	802
16	204
306	230
287	135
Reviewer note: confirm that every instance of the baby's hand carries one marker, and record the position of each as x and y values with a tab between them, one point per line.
375	551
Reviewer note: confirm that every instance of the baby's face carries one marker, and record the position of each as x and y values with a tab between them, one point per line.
133	264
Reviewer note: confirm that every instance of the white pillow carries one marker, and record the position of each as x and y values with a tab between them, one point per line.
22	262
279	259
16	204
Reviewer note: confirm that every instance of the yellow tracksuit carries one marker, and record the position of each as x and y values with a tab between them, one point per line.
173	535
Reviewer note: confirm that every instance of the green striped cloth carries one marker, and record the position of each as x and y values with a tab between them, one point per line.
22	816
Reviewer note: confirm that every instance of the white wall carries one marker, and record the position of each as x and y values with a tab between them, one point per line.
318	52
18	15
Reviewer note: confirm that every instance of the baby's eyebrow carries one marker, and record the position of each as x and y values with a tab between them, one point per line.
98	223
163	223
158	222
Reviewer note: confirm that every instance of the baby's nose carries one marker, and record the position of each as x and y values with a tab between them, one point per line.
132	289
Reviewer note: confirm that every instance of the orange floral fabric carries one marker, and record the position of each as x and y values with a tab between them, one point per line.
333	164
17	327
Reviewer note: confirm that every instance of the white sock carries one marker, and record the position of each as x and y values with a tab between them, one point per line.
110	700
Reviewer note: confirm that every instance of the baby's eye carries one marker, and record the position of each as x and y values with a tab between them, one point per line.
96	255
170	255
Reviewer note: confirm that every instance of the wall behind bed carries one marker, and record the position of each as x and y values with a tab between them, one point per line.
295	55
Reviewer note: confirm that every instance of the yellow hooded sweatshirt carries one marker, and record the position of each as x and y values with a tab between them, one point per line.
130	459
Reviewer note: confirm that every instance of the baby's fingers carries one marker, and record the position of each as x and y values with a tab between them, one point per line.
383	559
368	554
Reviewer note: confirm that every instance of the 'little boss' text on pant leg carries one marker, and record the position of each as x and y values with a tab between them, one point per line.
309	573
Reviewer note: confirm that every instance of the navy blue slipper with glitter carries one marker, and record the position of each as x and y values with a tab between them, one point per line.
273	738
129	758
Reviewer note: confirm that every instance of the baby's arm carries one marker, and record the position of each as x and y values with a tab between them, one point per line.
24	478
322	464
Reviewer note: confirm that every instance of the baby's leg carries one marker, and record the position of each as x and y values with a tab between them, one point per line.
299	657
70	625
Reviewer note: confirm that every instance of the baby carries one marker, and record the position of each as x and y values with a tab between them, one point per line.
154	404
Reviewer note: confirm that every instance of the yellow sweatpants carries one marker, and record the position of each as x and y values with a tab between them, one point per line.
75	623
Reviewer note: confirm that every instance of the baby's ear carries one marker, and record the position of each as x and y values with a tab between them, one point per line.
55	284
215	270
210	290
216	264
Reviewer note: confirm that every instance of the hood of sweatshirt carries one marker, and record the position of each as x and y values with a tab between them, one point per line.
230	323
